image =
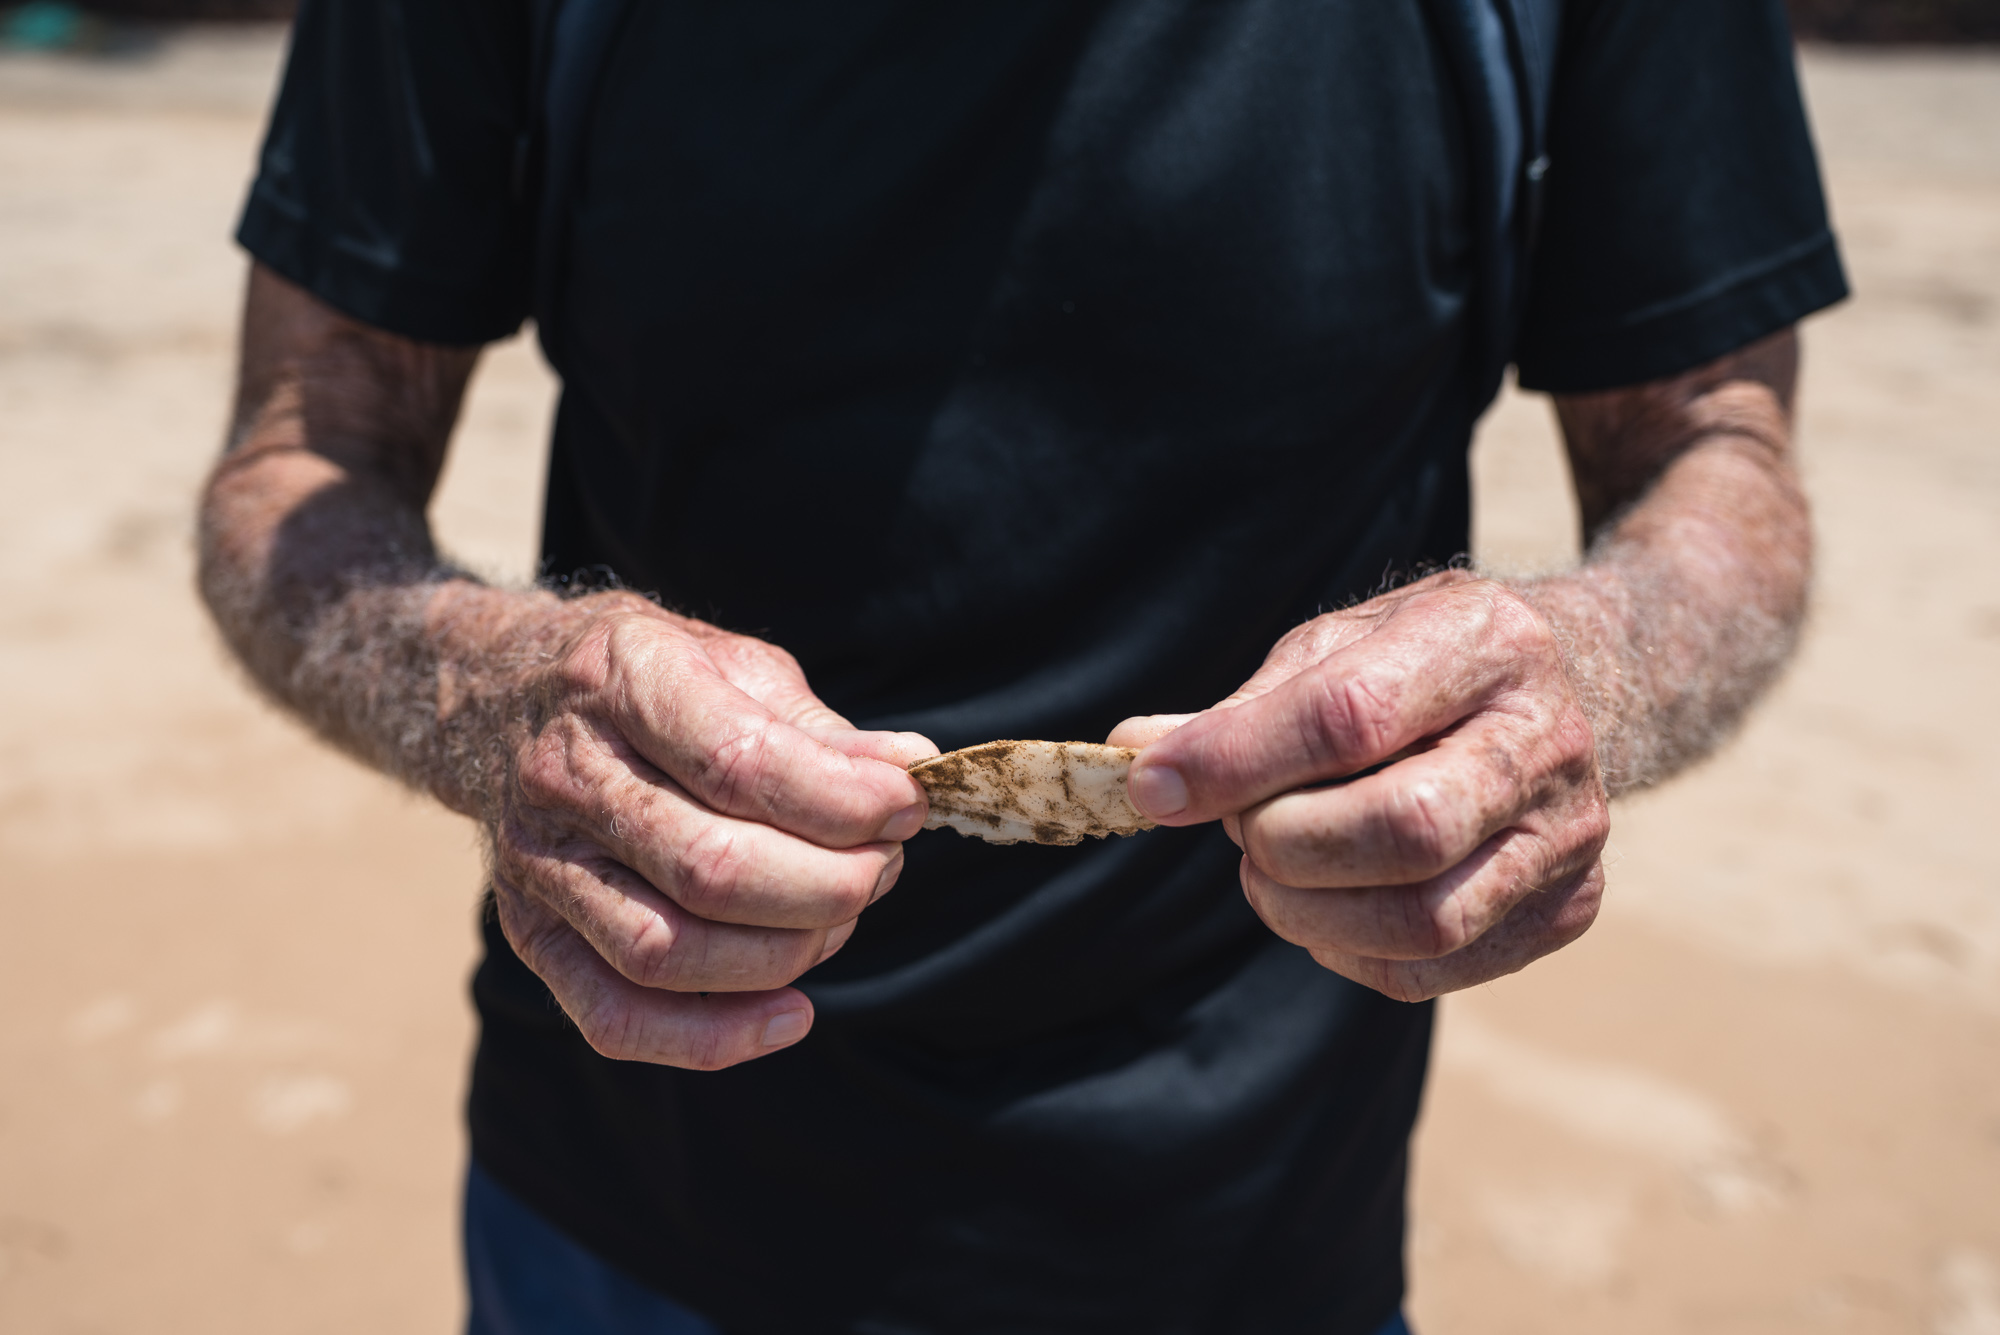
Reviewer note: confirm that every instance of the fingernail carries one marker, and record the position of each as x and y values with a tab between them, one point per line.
1157	791
903	824
786	1027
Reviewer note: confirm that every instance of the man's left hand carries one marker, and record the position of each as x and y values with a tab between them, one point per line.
1476	852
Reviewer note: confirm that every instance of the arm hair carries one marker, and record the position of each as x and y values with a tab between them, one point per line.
317	561
1691	596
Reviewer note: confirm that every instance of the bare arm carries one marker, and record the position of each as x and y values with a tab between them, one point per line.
316	558
1691	595
1520	707
672	811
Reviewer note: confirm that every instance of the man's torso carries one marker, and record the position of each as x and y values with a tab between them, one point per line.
1019	368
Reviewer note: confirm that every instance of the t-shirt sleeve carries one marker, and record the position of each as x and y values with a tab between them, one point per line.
1683	216
387	182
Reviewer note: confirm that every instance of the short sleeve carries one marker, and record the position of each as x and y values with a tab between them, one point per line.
1683	216
386	185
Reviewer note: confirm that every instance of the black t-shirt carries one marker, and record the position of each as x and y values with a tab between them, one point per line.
1020	366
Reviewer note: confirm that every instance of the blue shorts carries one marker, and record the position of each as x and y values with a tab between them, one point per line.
528	1278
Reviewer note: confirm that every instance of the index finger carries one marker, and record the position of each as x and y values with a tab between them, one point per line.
1357	708
737	758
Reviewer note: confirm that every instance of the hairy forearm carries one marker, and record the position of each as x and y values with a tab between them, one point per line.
342	612
319	567
1688	602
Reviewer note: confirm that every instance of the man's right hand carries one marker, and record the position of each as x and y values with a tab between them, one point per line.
680	828
684	830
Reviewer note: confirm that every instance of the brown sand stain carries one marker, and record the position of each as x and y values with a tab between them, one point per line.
1014	791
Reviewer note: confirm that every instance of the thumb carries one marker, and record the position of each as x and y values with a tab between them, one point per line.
788	696
1141	731
1157	791
901	749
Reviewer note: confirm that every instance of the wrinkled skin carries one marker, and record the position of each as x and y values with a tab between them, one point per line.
1523	705
685	817
680	828
1461	862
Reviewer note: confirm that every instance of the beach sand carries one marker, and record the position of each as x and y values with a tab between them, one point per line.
1763	1094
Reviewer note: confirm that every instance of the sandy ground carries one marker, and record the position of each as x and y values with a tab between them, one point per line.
1763	1095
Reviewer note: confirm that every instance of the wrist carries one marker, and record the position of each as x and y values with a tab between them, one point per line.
488	649
496	652
1588	616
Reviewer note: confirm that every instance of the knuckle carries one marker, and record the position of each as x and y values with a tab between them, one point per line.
1573	827
1292	914
1575	744
585	667
790	952
654	955
1422	832
514	916
736	774
1395	979
545	774
592	664
771	658
1406	985
853	887
1578	911
705	1047
1432	931
1257	884
1368	708
533	933
1353	717
514	872
1517	627
1573	922
611	1026
1271	900
1311	640
1263	850
529	847
1291	860
510	844
712	864
1593	826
